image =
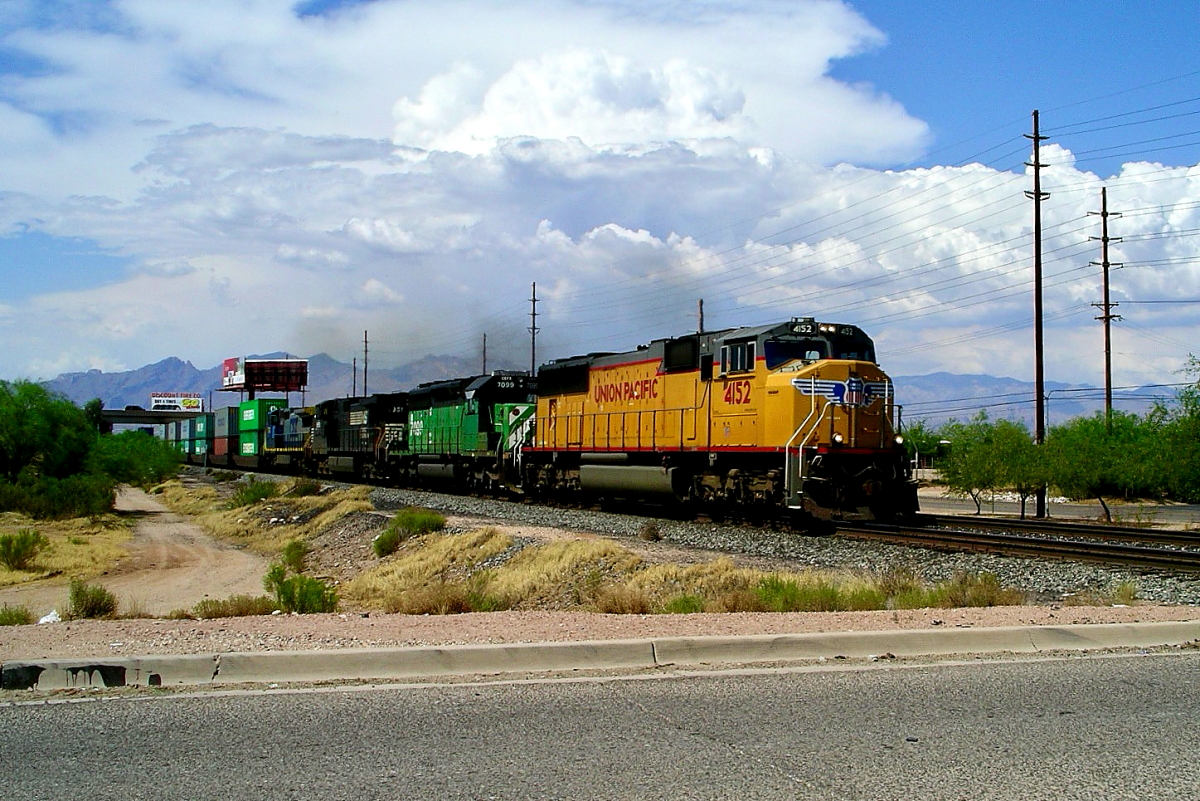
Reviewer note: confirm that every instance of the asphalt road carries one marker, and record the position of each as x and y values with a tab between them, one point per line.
1115	727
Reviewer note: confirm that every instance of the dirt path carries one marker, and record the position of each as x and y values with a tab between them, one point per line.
172	564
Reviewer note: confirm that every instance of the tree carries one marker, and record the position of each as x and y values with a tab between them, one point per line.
1086	461
41	433
973	467
920	439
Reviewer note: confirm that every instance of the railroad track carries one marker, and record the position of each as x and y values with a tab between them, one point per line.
1042	540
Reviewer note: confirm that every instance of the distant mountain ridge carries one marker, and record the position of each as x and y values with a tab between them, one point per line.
327	378
935	398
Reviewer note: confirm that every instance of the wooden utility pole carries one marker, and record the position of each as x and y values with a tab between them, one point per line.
533	331
1106	306
485	354
1039	433
364	364
354	379
700	316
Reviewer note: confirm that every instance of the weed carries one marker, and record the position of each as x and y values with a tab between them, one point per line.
1126	592
684	605
786	595
299	593
90	600
253	491
15	616
295	555
973	589
233	606
18	550
649	531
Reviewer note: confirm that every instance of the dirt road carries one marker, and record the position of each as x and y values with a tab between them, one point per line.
172	564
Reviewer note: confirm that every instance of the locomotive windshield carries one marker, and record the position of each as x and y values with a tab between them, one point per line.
780	350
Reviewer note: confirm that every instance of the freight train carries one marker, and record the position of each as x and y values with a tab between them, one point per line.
794	418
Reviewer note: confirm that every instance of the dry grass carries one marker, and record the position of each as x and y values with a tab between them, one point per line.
296	517
422	562
82	547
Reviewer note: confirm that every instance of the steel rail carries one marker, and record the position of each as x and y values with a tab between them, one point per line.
1138	556
1097	531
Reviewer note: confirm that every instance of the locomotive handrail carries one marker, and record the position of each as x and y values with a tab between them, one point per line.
788	480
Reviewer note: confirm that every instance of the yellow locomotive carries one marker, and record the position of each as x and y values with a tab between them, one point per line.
795	416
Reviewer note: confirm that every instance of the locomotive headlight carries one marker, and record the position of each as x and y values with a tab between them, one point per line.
838	439
899	439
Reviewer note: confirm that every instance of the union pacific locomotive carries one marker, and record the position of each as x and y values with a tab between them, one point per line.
796	417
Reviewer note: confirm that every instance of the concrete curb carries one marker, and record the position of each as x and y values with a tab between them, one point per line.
400	663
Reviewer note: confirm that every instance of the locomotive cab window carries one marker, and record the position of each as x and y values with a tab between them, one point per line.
737	357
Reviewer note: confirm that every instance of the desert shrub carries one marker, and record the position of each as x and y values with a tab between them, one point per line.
15	616
233	606
18	550
295	555
408	522
304	487
90	600
622	600
299	593
252	491
649	531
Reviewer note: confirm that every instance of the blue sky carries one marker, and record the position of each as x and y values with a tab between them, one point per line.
258	175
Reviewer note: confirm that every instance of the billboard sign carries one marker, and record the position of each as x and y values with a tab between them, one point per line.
176	402
233	373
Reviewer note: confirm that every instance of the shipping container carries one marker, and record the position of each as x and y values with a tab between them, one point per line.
204	427
254	413
221	445
249	443
225	421
187	429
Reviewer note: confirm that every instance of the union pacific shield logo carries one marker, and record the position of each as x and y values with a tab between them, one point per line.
852	392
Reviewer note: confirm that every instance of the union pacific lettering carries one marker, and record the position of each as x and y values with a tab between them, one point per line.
617	391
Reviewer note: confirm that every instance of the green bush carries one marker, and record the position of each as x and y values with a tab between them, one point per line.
134	457
18	550
45	497
253	491
298	593
89	601
295	555
15	616
411	521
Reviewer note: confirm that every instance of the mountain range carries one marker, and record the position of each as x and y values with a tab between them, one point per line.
934	398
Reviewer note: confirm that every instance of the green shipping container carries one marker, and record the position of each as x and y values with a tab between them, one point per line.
248	443
254	413
204	426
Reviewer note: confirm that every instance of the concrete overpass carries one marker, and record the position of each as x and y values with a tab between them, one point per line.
139	417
